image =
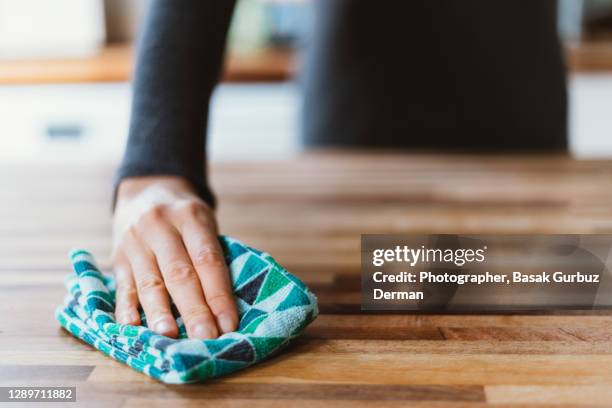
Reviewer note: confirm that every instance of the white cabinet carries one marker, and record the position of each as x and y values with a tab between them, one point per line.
88	122
63	122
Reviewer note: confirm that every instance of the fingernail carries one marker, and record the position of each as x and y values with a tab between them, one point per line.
226	323
133	317
202	331
163	326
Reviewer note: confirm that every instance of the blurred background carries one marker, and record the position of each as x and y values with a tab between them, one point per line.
65	67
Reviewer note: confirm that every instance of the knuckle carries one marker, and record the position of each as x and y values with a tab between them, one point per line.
220	301
188	207
127	293
195	312
180	272
153	215
130	235
151	283
209	223
208	255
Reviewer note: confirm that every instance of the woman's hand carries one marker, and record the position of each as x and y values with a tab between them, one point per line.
165	246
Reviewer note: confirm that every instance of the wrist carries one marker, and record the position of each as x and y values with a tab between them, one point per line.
130	187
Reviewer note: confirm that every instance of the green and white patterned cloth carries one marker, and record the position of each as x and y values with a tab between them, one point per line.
274	307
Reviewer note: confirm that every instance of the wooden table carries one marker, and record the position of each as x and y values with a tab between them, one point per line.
309	212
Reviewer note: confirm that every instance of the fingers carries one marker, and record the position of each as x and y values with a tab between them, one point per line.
181	280
167	248
126	299
207	257
150	286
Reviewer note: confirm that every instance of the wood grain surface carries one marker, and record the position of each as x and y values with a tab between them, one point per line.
309	212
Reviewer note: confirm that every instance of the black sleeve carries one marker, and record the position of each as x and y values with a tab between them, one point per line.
178	63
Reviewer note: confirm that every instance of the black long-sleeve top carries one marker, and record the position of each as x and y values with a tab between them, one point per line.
474	74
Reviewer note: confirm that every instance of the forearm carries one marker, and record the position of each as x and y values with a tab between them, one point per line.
178	64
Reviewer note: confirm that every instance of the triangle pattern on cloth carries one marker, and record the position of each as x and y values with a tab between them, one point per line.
215	346
242	351
235	250
188	361
249	291
249	316
265	345
254	324
223	367
295	298
250	266
273	283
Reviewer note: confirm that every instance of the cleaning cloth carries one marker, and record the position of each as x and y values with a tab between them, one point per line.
274	307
